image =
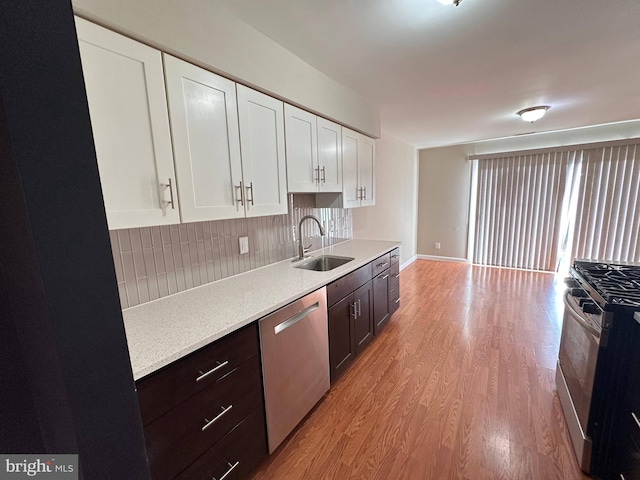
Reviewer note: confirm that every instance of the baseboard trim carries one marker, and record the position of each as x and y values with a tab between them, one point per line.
408	262
442	259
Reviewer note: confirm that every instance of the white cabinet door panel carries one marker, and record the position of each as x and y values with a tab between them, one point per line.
206	143
302	150
366	170
329	155
127	104
350	187
261	121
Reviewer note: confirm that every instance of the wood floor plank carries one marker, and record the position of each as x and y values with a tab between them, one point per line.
459	385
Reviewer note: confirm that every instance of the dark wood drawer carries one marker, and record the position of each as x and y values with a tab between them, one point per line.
163	390
236	455
394	275
395	256
344	286
177	438
380	264
394	300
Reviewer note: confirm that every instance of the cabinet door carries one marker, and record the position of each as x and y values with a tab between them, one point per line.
366	170
264	172
380	301
301	138
206	141
350	188
341	336
363	324
329	156
128	108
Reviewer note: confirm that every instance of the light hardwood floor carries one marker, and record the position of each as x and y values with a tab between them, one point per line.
459	385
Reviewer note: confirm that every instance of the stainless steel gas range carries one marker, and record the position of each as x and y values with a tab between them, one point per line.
599	304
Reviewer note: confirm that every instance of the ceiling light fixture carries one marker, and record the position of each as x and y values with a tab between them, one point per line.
532	114
450	2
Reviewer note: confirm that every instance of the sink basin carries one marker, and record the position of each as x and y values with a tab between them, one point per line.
324	263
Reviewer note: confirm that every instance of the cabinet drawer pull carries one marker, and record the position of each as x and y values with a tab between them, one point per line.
210	422
324	180
170	202
239	200
228	471
396	275
317	174
384	277
218	367
249	188
395	256
359	308
381	264
636	419
398	300
622	477
354	311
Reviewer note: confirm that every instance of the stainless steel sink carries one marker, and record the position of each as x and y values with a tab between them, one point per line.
324	263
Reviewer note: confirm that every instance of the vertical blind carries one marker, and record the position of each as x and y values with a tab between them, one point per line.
519	205
581	202
607	217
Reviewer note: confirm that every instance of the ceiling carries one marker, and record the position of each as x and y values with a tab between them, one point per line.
444	75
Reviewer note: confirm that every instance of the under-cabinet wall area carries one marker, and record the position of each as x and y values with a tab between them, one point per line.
154	262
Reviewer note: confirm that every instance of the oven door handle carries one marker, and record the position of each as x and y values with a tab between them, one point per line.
585	324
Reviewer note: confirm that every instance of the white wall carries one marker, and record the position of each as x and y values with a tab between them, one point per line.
206	33
394	217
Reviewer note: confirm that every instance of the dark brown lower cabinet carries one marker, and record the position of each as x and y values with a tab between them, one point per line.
363	318
204	415
381	312
342	348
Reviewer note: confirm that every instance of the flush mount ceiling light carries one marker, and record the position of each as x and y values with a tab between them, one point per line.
532	114
450	2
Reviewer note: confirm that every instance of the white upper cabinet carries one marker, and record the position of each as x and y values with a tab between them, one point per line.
314	156
206	142
127	104
329	155
261	121
358	169
303	173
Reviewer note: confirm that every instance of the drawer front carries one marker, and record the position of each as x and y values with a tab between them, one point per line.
179	437
380	264
395	256
163	390
346	285
236	455
394	300
394	275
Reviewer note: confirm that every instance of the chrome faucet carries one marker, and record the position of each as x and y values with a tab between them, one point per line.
301	249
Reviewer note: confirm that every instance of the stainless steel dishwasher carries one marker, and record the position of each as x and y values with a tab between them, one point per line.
295	363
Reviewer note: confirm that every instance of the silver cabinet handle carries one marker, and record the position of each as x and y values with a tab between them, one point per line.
170	187
381	264
622	477
295	319
636	419
218	367
228	471
324	180
395	256
210	422
384	278
249	188
316	177
364	195
396	276
354	310
398	300
359	308
241	199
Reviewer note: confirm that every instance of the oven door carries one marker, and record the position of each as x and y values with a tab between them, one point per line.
579	348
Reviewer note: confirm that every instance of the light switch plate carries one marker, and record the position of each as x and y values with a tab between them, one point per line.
244	245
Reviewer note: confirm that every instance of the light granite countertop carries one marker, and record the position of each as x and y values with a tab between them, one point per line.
167	329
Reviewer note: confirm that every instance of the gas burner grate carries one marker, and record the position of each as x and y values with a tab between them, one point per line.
618	284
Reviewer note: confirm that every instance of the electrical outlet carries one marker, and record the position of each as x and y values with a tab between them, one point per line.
437	245
244	245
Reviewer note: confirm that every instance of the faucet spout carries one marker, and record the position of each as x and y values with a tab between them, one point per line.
301	249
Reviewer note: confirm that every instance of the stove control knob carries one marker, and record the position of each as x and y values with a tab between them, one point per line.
578	292
590	307
571	282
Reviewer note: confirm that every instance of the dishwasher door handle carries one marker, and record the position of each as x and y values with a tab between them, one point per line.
282	326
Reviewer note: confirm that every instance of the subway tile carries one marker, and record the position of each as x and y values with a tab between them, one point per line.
165	233
183	233
180	280
145	234
156	238
159	260
149	262
117	255
143	290
199	231
172	282
167	254
122	293
125	240
211	272
163	285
